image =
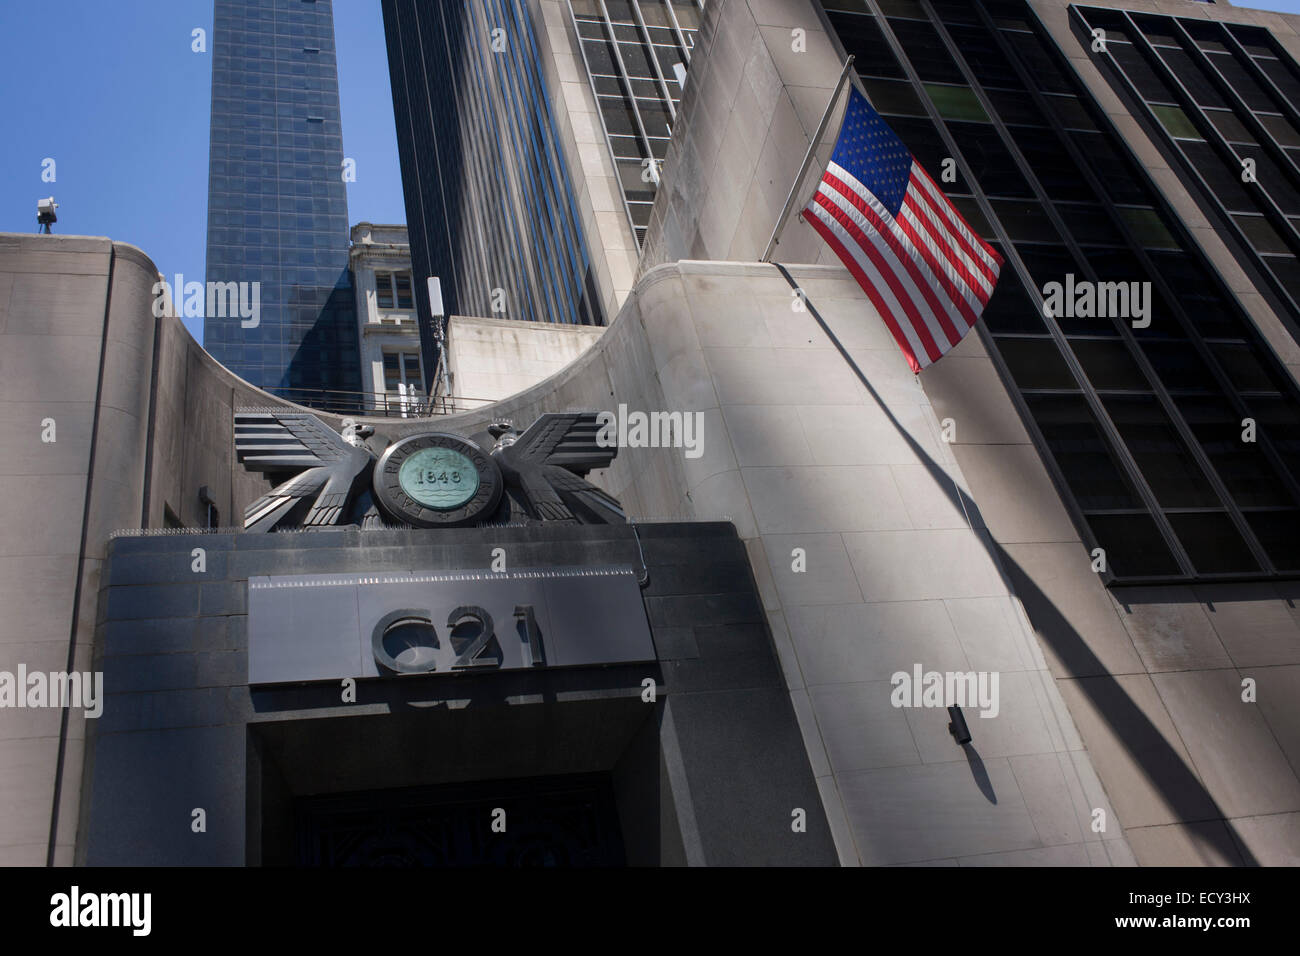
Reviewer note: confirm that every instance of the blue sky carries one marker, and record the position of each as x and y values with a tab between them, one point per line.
112	92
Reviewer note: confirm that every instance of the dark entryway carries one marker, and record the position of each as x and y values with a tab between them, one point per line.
560	821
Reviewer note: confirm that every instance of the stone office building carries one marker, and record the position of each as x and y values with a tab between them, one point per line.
890	524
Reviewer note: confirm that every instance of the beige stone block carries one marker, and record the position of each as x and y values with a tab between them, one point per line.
871	434
848	643
991	634
729	319
43	586
812	499
1206	843
46	721
930	497
767	435
1230	743
936	811
817	64
27	453
27	768
1045	785
46	304
30	854
722	498
1253	623
862	730
48	368
1074	619
1278	696
1169	629
1272	840
924	565
970	392
687	378
54	530
60	261
1014	494
852	319
756	376
827	578
810	104
783	13
1137	750
1074	854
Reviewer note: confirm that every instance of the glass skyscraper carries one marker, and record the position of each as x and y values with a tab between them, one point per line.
277	205
490	204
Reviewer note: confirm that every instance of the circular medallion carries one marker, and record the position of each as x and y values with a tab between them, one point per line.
437	480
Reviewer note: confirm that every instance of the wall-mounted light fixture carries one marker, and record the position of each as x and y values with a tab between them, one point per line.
957	727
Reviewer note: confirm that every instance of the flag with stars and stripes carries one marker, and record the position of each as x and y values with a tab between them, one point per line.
925	270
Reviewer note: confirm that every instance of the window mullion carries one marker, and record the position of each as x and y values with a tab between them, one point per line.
681	35
654	60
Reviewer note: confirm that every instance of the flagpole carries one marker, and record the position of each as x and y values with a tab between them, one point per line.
812	149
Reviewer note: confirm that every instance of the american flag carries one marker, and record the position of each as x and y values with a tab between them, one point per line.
925	270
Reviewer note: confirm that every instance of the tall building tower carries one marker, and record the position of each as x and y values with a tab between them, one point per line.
512	199
277	205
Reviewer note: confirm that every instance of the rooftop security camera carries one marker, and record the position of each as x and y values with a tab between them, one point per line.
45	213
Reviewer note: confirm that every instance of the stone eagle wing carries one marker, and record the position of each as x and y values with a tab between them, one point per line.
323	466
563	439
272	441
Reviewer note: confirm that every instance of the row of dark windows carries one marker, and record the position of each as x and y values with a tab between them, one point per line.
288	180
1224	100
633	50
257	97
1144	426
221	152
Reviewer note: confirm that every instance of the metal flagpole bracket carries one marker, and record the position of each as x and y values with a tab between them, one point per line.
803	168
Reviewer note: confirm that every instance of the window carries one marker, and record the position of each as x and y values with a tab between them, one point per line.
402	371
393	291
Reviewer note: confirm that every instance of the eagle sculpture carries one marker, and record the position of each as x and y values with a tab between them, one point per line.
326	478
545	468
329	471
